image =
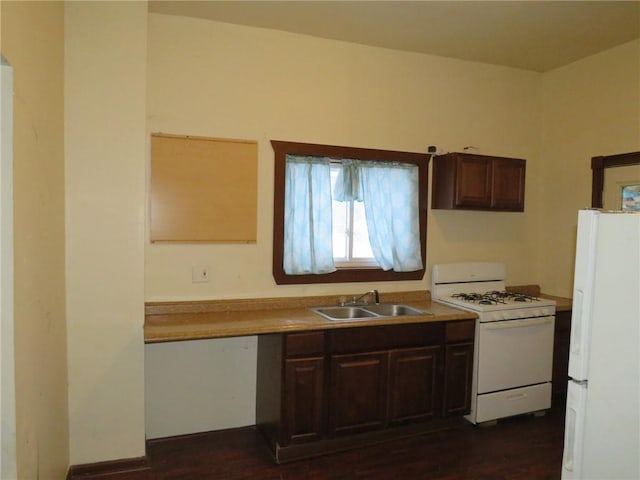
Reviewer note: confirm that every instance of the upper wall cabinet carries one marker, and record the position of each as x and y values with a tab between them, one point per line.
465	181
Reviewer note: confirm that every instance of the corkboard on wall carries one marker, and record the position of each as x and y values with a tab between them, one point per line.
203	189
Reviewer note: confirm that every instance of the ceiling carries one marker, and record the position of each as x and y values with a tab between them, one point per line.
532	35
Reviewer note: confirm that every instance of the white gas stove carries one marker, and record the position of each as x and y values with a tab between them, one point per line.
514	339
480	287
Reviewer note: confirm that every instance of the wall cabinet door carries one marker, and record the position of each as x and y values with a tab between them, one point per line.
357	392
414	384
303	419
473	182
457	379
507	191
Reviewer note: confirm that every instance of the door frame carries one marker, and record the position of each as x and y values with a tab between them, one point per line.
8	462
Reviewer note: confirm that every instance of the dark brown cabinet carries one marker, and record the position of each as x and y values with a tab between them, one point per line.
358	399
561	342
370	391
329	390
467	181
414	387
304	391
458	372
291	387
457	378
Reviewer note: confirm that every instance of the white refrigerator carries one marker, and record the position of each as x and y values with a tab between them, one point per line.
602	429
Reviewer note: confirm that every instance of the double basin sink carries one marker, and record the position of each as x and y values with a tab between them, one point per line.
367	312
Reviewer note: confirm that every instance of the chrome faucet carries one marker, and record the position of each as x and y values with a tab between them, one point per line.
375	293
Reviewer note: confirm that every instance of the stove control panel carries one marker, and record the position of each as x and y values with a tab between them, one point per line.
516	314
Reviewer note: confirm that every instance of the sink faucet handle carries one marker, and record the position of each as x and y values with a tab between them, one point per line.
377	296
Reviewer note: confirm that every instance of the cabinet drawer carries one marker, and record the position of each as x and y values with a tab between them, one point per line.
460	331
386	337
305	343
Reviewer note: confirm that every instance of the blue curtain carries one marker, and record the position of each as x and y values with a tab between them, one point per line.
308	246
390	194
348	182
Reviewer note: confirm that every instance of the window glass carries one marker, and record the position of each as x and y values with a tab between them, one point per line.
350	235
361	244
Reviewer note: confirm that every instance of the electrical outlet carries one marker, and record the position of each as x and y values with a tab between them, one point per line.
199	274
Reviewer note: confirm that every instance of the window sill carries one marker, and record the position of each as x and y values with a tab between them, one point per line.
348	275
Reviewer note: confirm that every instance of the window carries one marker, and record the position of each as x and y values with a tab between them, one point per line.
351	246
354	264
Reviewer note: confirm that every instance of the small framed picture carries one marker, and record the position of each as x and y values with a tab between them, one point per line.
631	198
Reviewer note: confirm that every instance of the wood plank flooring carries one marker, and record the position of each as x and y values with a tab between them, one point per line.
519	448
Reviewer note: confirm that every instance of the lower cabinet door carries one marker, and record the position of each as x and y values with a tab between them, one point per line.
303	400
357	400
414	379
457	379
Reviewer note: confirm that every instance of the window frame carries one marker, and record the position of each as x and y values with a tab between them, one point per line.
343	274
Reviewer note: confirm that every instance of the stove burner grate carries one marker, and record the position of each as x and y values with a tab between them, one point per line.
495	297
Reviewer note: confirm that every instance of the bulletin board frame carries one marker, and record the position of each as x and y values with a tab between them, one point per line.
203	189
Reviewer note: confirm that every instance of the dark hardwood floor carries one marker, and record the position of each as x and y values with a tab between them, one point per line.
523	447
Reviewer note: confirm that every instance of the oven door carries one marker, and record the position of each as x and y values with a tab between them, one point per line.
514	353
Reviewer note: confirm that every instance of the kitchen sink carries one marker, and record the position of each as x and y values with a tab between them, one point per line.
367	312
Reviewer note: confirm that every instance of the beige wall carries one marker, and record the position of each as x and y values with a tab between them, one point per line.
105	77
206	78
591	108
214	79
40	327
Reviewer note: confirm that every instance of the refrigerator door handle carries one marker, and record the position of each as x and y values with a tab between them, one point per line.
572	458
576	323
570	439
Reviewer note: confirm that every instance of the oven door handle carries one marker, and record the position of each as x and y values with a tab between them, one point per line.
519	323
